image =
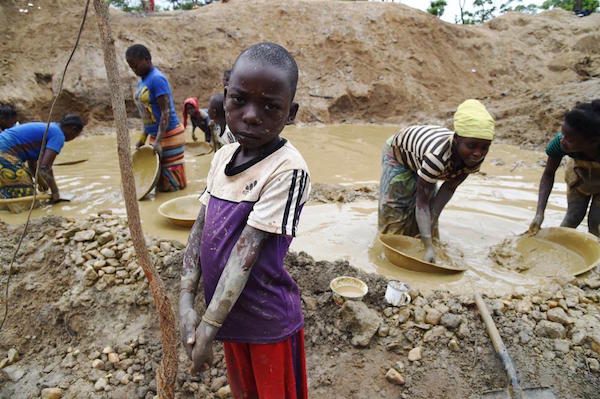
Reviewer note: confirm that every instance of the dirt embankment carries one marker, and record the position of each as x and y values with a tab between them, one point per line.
359	61
82	324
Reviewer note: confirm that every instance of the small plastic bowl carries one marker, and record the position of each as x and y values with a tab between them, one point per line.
348	288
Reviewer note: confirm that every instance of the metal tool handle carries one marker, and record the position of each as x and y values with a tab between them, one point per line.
515	392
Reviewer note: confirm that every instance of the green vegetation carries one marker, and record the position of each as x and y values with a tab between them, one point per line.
571	5
127	5
437	7
141	5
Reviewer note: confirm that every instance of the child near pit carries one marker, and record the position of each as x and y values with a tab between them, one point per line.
256	189
220	133
198	117
579	140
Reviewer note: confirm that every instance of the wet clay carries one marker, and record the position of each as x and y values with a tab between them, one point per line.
490	206
349	291
96	185
552	252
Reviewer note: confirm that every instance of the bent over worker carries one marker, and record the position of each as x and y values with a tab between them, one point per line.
414	159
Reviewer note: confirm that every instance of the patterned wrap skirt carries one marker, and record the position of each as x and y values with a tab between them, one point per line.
15	179
172	168
397	196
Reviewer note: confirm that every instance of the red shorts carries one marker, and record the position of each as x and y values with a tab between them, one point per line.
267	371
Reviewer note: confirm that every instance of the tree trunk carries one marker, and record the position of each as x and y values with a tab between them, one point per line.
167	371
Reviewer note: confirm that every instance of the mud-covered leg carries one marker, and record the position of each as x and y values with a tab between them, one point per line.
577	204
594	216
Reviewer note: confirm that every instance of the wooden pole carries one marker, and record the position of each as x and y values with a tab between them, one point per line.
166	374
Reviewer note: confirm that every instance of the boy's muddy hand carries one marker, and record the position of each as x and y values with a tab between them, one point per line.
202	355
430	254
189	321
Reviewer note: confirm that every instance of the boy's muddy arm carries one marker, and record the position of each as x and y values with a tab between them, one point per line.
443	196
231	284
425	192
190	276
546	183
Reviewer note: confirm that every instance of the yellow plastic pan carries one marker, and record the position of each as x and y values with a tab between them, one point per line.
146	170
558	250
408	252
181	211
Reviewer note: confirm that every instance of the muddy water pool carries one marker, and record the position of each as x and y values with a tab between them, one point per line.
486	209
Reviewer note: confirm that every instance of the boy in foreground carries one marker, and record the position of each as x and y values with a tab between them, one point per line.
256	189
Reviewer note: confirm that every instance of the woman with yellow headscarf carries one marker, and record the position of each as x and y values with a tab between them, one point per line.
414	159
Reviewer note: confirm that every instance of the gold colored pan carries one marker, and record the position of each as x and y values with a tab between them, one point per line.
407	252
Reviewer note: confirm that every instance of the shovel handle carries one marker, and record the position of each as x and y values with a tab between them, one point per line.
516	391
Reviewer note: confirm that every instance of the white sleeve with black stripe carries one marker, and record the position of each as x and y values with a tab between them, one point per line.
278	209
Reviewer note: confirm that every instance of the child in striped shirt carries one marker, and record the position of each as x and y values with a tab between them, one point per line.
414	159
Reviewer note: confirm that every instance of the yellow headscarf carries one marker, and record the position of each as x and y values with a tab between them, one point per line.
473	120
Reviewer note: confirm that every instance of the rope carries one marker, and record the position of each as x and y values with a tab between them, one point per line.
43	147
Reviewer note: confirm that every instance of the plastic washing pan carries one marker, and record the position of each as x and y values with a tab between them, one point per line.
558	250
146	170
407	252
181	211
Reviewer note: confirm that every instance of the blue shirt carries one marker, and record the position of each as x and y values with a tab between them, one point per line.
149	88
25	141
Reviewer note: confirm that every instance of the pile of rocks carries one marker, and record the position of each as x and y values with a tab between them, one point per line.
102	248
96	298
122	365
557	321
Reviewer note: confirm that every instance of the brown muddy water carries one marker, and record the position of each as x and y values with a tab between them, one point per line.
489	207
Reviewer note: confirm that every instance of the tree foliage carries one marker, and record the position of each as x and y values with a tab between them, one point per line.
436	7
186	4
572	5
140	5
525	9
127	5
483	10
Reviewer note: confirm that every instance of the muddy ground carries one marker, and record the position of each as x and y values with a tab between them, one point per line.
81	323
359	61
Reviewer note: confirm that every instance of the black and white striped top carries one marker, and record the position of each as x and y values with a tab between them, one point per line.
427	150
